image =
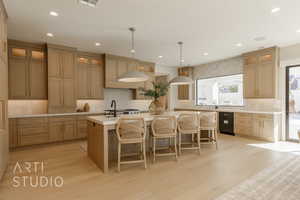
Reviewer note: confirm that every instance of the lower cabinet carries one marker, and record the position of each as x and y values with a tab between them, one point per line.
263	126
62	129
42	130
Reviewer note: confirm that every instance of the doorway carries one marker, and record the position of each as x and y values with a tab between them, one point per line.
292	102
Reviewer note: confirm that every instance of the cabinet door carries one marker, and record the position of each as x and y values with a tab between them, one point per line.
69	130
56	132
81	128
38	77
96	82
111	69
69	98
83	90
54	63
266	80
250	88
55	95
268	130
256	127
18	72
68	64
183	92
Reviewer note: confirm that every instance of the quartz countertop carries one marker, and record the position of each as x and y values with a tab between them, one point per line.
232	109
55	115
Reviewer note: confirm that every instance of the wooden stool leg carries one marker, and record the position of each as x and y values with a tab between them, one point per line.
175	147
154	144
198	141
119	157
179	143
216	138
144	153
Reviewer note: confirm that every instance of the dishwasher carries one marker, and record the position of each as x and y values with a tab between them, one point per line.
226	123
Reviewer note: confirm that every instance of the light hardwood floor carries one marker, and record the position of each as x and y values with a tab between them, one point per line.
192	177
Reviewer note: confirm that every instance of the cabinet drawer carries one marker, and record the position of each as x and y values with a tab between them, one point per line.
243	115
263	116
32	121
61	119
33	139
22	131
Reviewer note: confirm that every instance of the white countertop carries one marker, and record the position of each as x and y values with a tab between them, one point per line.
112	121
54	115
231	109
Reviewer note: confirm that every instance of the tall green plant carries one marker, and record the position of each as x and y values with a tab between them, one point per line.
159	90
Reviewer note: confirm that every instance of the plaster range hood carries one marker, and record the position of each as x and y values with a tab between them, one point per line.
90	3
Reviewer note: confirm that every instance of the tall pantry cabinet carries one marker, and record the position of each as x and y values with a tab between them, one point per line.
3	90
61	79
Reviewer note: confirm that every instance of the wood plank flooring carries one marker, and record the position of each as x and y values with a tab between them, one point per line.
192	177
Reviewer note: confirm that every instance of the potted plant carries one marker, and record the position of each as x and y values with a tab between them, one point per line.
160	89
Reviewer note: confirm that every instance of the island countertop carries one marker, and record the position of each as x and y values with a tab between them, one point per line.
103	120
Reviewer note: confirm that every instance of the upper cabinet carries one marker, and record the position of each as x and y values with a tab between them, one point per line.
3	33
260	73
90	76
61	79
184	90
27	71
148	69
115	66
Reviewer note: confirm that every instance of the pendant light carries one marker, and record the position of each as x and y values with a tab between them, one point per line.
181	80
133	76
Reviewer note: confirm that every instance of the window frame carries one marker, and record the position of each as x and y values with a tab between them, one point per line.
218	105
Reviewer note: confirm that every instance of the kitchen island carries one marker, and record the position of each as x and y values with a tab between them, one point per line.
100	143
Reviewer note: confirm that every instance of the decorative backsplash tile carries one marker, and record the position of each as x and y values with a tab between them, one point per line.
27	107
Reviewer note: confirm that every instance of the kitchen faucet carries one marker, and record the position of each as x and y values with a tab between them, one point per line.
114	104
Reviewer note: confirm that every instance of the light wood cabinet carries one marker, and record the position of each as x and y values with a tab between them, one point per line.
3	91
27	71
61	79
29	131
184	90
115	66
62	129
43	130
263	126
260	73
90	76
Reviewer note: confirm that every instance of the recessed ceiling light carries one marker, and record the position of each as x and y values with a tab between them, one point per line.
55	14
275	10
160	56
98	44
239	44
258	39
50	34
298	31
205	54
90	3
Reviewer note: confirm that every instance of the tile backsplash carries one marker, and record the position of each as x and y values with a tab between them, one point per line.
27	107
123	98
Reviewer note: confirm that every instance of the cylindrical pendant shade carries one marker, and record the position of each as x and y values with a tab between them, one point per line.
133	76
181	80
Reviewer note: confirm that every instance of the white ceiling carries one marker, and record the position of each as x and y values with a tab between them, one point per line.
213	26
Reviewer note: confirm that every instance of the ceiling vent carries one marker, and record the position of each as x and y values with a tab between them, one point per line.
90	3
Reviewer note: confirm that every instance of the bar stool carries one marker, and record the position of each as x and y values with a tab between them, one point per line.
208	121
189	124
164	127
131	131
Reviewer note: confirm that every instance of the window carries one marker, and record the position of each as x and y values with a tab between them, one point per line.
224	91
